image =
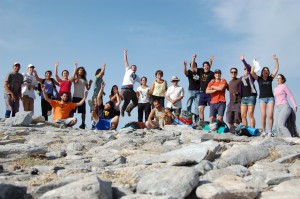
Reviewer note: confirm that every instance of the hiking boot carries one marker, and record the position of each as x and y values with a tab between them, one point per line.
82	126
122	113
129	108
128	113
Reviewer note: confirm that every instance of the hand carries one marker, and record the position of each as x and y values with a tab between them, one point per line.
13	97
125	51
212	58
275	57
184	63
76	63
56	64
42	87
102	84
242	57
295	109
86	94
90	82
194	56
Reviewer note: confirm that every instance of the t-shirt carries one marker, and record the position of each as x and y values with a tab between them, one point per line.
49	86
14	80
265	87
175	92
218	96
79	88
233	88
97	86
205	78
130	77
159	89
143	94
29	80
61	111
194	79
104	114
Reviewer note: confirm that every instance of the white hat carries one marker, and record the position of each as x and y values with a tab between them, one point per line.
17	63
174	78
30	65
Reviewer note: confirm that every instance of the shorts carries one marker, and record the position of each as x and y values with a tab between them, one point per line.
65	122
267	100
233	114
204	99
217	109
81	108
248	101
103	124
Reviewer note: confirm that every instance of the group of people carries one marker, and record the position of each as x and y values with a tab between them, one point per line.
206	88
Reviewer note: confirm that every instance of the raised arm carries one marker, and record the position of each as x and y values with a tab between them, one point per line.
101	74
45	94
211	60
83	99
242	57
125	59
254	75
185	71
74	76
56	72
193	63
118	101
88	85
37	77
99	96
276	66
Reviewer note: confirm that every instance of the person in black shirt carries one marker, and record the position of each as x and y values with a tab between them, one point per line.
266	97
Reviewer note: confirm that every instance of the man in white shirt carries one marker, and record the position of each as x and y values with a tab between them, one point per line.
30	84
174	95
127	91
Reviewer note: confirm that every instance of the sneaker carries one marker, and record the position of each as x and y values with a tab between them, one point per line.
49	113
82	126
129	114
122	113
264	134
92	106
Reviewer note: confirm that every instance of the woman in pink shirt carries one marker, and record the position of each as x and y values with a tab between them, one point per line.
284	111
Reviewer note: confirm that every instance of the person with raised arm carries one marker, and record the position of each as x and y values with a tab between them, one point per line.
62	108
65	83
12	90
285	122
98	81
105	117
50	90
127	91
80	84
248	94
266	96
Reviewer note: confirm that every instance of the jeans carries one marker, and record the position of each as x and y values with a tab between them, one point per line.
193	98
283	112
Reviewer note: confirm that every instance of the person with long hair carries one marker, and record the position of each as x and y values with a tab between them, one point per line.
116	98
266	96
50	89
285	120
80	84
159	88
248	93
142	94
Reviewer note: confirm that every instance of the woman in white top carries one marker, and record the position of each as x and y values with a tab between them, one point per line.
142	94
159	88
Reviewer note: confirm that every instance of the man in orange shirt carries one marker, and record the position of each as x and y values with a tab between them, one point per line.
62	108
217	88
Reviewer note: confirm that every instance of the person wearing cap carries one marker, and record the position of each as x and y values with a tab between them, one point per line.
174	95
216	88
12	85
127	91
30	84
206	75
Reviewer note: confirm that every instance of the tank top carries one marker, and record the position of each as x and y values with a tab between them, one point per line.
65	86
159	89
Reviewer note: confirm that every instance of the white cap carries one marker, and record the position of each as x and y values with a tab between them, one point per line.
17	63
30	65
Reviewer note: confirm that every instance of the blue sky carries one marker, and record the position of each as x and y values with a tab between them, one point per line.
158	35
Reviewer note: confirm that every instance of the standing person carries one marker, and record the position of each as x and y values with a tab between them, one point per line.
248	93
193	75
80	84
116	98
266	97
284	111
105	118
62	108
127	91
65	83
233	114
50	89
12	85
29	85
158	88
217	88
174	95
206	75
142	94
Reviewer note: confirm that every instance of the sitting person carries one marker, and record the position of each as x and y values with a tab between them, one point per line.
161	116
107	117
62	108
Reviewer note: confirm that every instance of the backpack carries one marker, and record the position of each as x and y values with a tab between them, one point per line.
246	130
186	117
54	94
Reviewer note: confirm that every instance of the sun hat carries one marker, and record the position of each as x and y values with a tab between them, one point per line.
174	78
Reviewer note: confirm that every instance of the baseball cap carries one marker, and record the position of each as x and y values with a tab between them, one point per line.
17	63
30	65
218	71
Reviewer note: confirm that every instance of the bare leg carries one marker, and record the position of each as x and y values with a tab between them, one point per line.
244	109
263	109
251	115
270	115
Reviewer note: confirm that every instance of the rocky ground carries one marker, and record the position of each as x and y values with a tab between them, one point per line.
38	160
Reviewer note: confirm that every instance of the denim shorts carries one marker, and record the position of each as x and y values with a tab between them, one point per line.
251	100
267	100
217	109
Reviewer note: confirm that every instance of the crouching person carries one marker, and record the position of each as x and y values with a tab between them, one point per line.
106	119
62	108
159	116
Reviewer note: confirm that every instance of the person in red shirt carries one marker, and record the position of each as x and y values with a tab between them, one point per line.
216	88
62	108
